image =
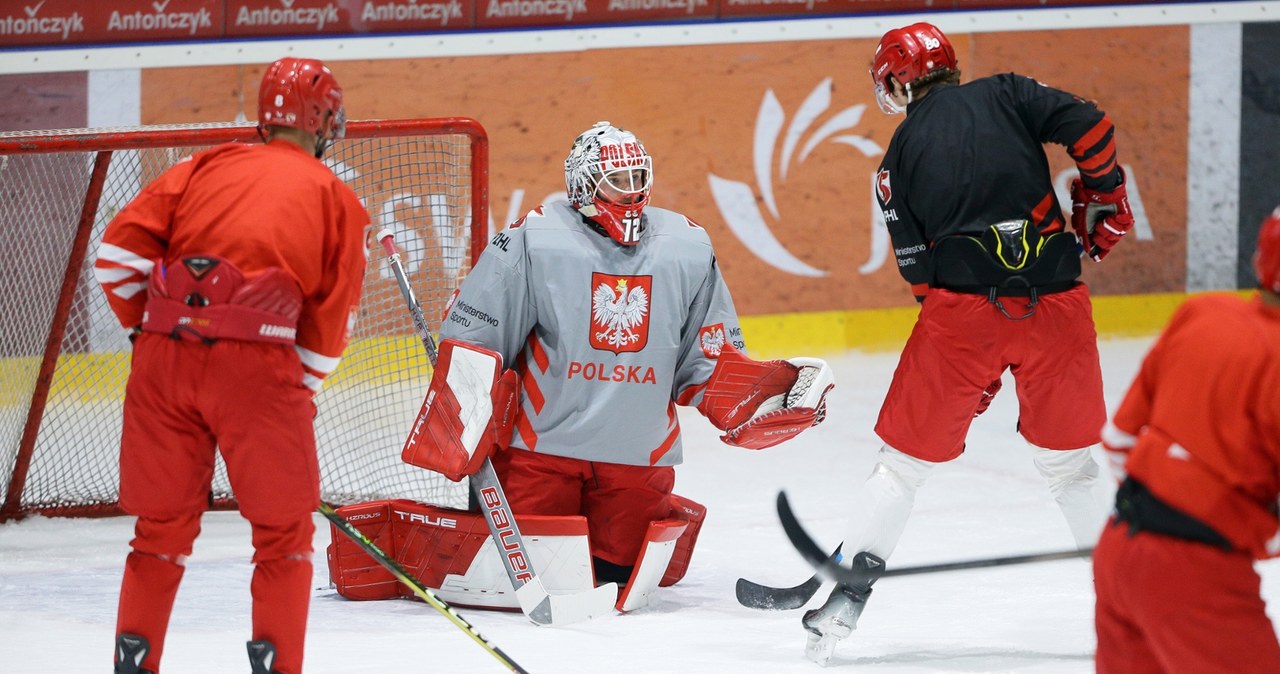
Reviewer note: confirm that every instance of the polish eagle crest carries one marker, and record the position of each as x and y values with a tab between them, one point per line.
712	340
619	313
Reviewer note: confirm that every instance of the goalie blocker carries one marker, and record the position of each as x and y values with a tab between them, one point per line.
468	411
451	552
760	404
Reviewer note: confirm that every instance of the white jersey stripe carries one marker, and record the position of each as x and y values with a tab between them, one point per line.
317	362
110	253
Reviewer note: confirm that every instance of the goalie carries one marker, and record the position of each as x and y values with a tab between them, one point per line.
590	321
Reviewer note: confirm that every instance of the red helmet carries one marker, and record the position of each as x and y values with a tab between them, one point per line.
908	54
302	94
1266	260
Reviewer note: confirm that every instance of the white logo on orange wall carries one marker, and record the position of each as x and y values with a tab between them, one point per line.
737	200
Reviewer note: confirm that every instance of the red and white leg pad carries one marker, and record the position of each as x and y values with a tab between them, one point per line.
664	556
451	552
694	513
655	555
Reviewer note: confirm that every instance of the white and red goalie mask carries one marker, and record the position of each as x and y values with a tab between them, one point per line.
607	176
1266	260
302	94
908	54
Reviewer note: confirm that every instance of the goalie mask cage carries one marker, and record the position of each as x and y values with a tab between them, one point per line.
64	358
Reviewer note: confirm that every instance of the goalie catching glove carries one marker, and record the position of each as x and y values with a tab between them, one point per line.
760	404
469	410
1100	219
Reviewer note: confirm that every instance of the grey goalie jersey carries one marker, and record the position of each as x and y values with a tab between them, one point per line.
607	338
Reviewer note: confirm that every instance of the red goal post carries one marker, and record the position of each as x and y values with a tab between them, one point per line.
64	359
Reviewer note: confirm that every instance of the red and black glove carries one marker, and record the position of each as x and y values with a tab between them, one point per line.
1100	219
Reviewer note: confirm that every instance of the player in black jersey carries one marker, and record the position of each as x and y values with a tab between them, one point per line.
969	203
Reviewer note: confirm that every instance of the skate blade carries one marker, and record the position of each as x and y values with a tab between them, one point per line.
819	649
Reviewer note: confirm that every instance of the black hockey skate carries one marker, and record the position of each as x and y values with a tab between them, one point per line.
131	650
837	618
262	655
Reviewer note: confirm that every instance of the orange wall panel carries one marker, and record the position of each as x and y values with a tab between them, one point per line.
739	132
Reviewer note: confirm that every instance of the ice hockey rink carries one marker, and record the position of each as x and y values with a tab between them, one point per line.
59	578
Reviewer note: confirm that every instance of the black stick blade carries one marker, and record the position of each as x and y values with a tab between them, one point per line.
766	598
769	598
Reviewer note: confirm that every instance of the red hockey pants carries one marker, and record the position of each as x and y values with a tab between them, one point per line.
1166	606
961	343
246	399
618	501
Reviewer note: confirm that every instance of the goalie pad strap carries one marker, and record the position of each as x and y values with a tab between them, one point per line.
206	297
467	412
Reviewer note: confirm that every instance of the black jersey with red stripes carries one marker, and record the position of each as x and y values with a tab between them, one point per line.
968	156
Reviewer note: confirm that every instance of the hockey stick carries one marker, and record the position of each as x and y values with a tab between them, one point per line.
541	607
414	584
830	570
766	598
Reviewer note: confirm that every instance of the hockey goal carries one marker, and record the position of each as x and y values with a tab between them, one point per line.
64	359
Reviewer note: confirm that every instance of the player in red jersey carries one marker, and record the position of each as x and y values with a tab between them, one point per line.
238	270
1196	442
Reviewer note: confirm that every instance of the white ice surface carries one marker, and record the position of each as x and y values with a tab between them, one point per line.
59	578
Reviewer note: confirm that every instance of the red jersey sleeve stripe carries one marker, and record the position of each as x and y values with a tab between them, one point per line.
1080	149
525	429
1042	209
539	354
1107	166
1105	155
686	396
532	391
670	441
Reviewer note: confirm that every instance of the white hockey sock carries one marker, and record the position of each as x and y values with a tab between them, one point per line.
1073	481
882	506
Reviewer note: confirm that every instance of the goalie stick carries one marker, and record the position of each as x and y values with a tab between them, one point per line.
829	569
539	605
414	584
